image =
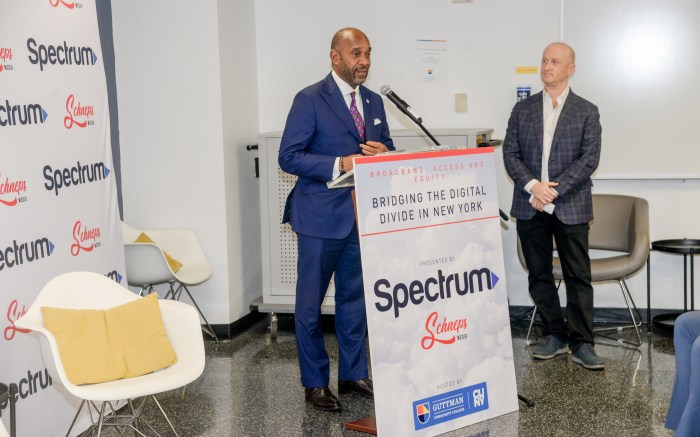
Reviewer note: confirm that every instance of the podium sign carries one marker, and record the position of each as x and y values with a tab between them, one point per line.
435	291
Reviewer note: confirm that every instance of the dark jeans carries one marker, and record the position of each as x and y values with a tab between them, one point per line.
572	246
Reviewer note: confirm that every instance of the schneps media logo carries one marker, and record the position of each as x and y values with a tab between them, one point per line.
5	58
11	191
79	115
85	239
68	4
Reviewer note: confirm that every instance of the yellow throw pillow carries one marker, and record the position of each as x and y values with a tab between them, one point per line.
138	336
174	264
104	345
83	345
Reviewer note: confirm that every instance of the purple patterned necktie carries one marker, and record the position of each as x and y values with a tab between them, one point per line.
359	123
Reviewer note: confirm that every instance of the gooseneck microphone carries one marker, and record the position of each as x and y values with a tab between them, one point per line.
401	104
403	107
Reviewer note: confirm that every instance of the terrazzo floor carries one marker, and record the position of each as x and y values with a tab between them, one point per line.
250	387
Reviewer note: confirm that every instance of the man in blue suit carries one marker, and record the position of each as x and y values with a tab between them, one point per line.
551	149
331	122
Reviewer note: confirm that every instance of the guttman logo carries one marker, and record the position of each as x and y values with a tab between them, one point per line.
431	289
78	115
5	56
448	406
11	191
61	54
21	114
86	239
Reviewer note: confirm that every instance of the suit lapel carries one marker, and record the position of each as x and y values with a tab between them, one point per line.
368	106
331	94
536	114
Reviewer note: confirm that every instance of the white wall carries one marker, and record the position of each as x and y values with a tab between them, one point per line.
239	93
186	108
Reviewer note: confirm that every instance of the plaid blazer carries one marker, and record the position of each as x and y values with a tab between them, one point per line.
573	158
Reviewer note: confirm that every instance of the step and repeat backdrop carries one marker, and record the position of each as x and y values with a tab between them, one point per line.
58	198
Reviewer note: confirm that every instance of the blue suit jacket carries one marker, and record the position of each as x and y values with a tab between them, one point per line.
319	129
574	156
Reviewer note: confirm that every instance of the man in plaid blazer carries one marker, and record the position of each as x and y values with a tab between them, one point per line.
551	149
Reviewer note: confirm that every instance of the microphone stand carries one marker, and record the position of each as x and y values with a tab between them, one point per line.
529	402
505	217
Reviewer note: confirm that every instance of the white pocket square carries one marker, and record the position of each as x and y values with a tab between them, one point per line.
377	121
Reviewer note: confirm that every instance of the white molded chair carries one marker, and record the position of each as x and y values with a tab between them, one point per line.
146	265
3	430
621	228
87	290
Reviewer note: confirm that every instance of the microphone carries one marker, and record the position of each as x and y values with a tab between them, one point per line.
402	105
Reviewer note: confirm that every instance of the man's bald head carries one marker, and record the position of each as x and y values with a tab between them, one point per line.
350	55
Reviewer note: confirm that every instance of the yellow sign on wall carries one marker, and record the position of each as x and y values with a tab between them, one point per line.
525	70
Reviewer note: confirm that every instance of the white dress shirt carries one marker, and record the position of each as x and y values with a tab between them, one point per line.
345	90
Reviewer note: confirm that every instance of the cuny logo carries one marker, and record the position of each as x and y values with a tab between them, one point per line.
11	191
60	54
77	175
29	386
431	289
79	115
442	331
86	239
12	115
14	312
17	254
5	55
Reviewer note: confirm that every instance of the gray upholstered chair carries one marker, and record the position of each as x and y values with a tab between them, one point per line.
621	228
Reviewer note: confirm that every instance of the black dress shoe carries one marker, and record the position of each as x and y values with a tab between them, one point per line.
322	399
362	387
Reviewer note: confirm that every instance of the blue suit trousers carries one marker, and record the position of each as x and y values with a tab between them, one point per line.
318	260
684	411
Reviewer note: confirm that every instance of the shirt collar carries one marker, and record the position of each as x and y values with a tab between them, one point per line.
560	100
345	89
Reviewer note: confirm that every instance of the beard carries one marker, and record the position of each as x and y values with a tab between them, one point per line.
353	76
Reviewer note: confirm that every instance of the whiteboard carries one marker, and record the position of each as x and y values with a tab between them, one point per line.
638	61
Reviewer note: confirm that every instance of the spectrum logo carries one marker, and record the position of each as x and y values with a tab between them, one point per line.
60	54
17	254
11	191
67	4
14	312
115	276
449	406
76	175
12	115
432	289
78	115
86	239
5	55
31	385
